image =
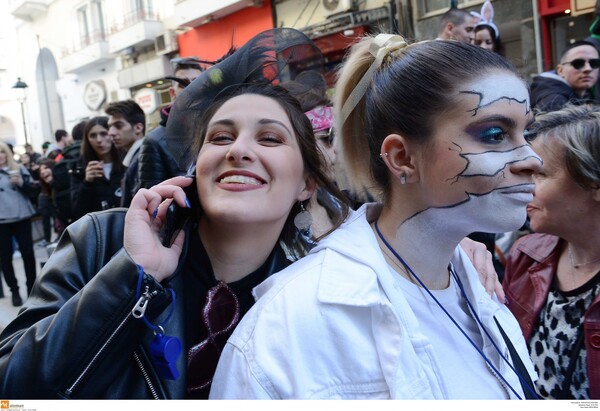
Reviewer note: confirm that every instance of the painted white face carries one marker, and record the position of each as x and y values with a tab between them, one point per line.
477	173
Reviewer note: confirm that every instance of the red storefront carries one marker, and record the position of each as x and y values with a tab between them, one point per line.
211	40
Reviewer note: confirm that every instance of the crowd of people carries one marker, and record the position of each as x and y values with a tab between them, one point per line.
279	237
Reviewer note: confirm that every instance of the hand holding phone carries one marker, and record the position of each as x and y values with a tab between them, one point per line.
146	227
177	216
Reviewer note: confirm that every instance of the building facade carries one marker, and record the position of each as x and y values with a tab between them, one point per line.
76	56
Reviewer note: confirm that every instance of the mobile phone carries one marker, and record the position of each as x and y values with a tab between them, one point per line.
177	216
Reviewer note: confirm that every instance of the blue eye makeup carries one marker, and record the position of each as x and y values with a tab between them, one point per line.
492	135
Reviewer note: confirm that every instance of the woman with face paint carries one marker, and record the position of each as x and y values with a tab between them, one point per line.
388	305
553	276
138	303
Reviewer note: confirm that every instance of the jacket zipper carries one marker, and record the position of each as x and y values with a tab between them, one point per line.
138	311
498	378
146	376
489	367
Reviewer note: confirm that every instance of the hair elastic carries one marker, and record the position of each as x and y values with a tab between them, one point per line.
381	46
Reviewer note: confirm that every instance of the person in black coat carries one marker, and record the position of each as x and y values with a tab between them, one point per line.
571	82
156	163
96	184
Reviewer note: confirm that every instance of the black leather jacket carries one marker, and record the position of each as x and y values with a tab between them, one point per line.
75	337
157	164
87	197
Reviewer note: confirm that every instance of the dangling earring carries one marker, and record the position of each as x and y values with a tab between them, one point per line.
303	219
403	179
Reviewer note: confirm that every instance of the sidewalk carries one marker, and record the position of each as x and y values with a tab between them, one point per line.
7	311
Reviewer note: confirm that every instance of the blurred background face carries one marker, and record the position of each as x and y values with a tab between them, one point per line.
558	200
581	79
465	32
3	160
187	76
46	173
25	159
99	140
327	147
121	132
483	39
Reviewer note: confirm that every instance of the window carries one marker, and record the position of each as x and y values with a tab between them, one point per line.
82	22
98	19
425	8
143	9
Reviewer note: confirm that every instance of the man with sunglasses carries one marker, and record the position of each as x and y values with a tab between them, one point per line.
156	161
571	82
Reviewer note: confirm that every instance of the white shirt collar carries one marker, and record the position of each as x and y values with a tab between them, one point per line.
134	148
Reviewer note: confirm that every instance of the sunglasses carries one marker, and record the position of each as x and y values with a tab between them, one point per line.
182	82
579	63
220	315
326	136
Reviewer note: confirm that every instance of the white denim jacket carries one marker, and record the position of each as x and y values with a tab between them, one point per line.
323	328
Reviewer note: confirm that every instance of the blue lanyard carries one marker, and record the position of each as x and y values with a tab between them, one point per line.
454	321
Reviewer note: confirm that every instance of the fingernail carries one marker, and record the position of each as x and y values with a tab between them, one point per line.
187	203
189	176
505	300
155	213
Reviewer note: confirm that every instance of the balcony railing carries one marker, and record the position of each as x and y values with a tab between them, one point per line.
85	41
133	18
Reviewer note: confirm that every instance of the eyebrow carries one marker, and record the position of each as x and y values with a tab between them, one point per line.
229	122
508	122
271	121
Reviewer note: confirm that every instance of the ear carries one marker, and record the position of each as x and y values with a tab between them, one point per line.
172	93
449	28
310	186
596	194
560	70
397	154
138	128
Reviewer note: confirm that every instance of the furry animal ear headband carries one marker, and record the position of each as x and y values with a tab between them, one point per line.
486	18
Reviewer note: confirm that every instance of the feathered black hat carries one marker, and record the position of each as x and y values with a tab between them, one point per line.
272	56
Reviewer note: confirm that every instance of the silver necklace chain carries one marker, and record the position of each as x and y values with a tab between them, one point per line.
577	266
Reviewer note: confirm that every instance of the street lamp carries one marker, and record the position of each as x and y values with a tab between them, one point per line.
22	85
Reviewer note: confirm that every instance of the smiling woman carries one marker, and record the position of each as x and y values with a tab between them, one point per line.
116	307
388	305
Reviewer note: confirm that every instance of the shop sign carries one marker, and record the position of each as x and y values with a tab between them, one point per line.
148	99
94	95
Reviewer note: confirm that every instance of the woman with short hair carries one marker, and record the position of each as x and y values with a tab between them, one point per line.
553	276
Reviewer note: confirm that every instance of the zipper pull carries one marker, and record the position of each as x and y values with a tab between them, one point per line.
139	309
